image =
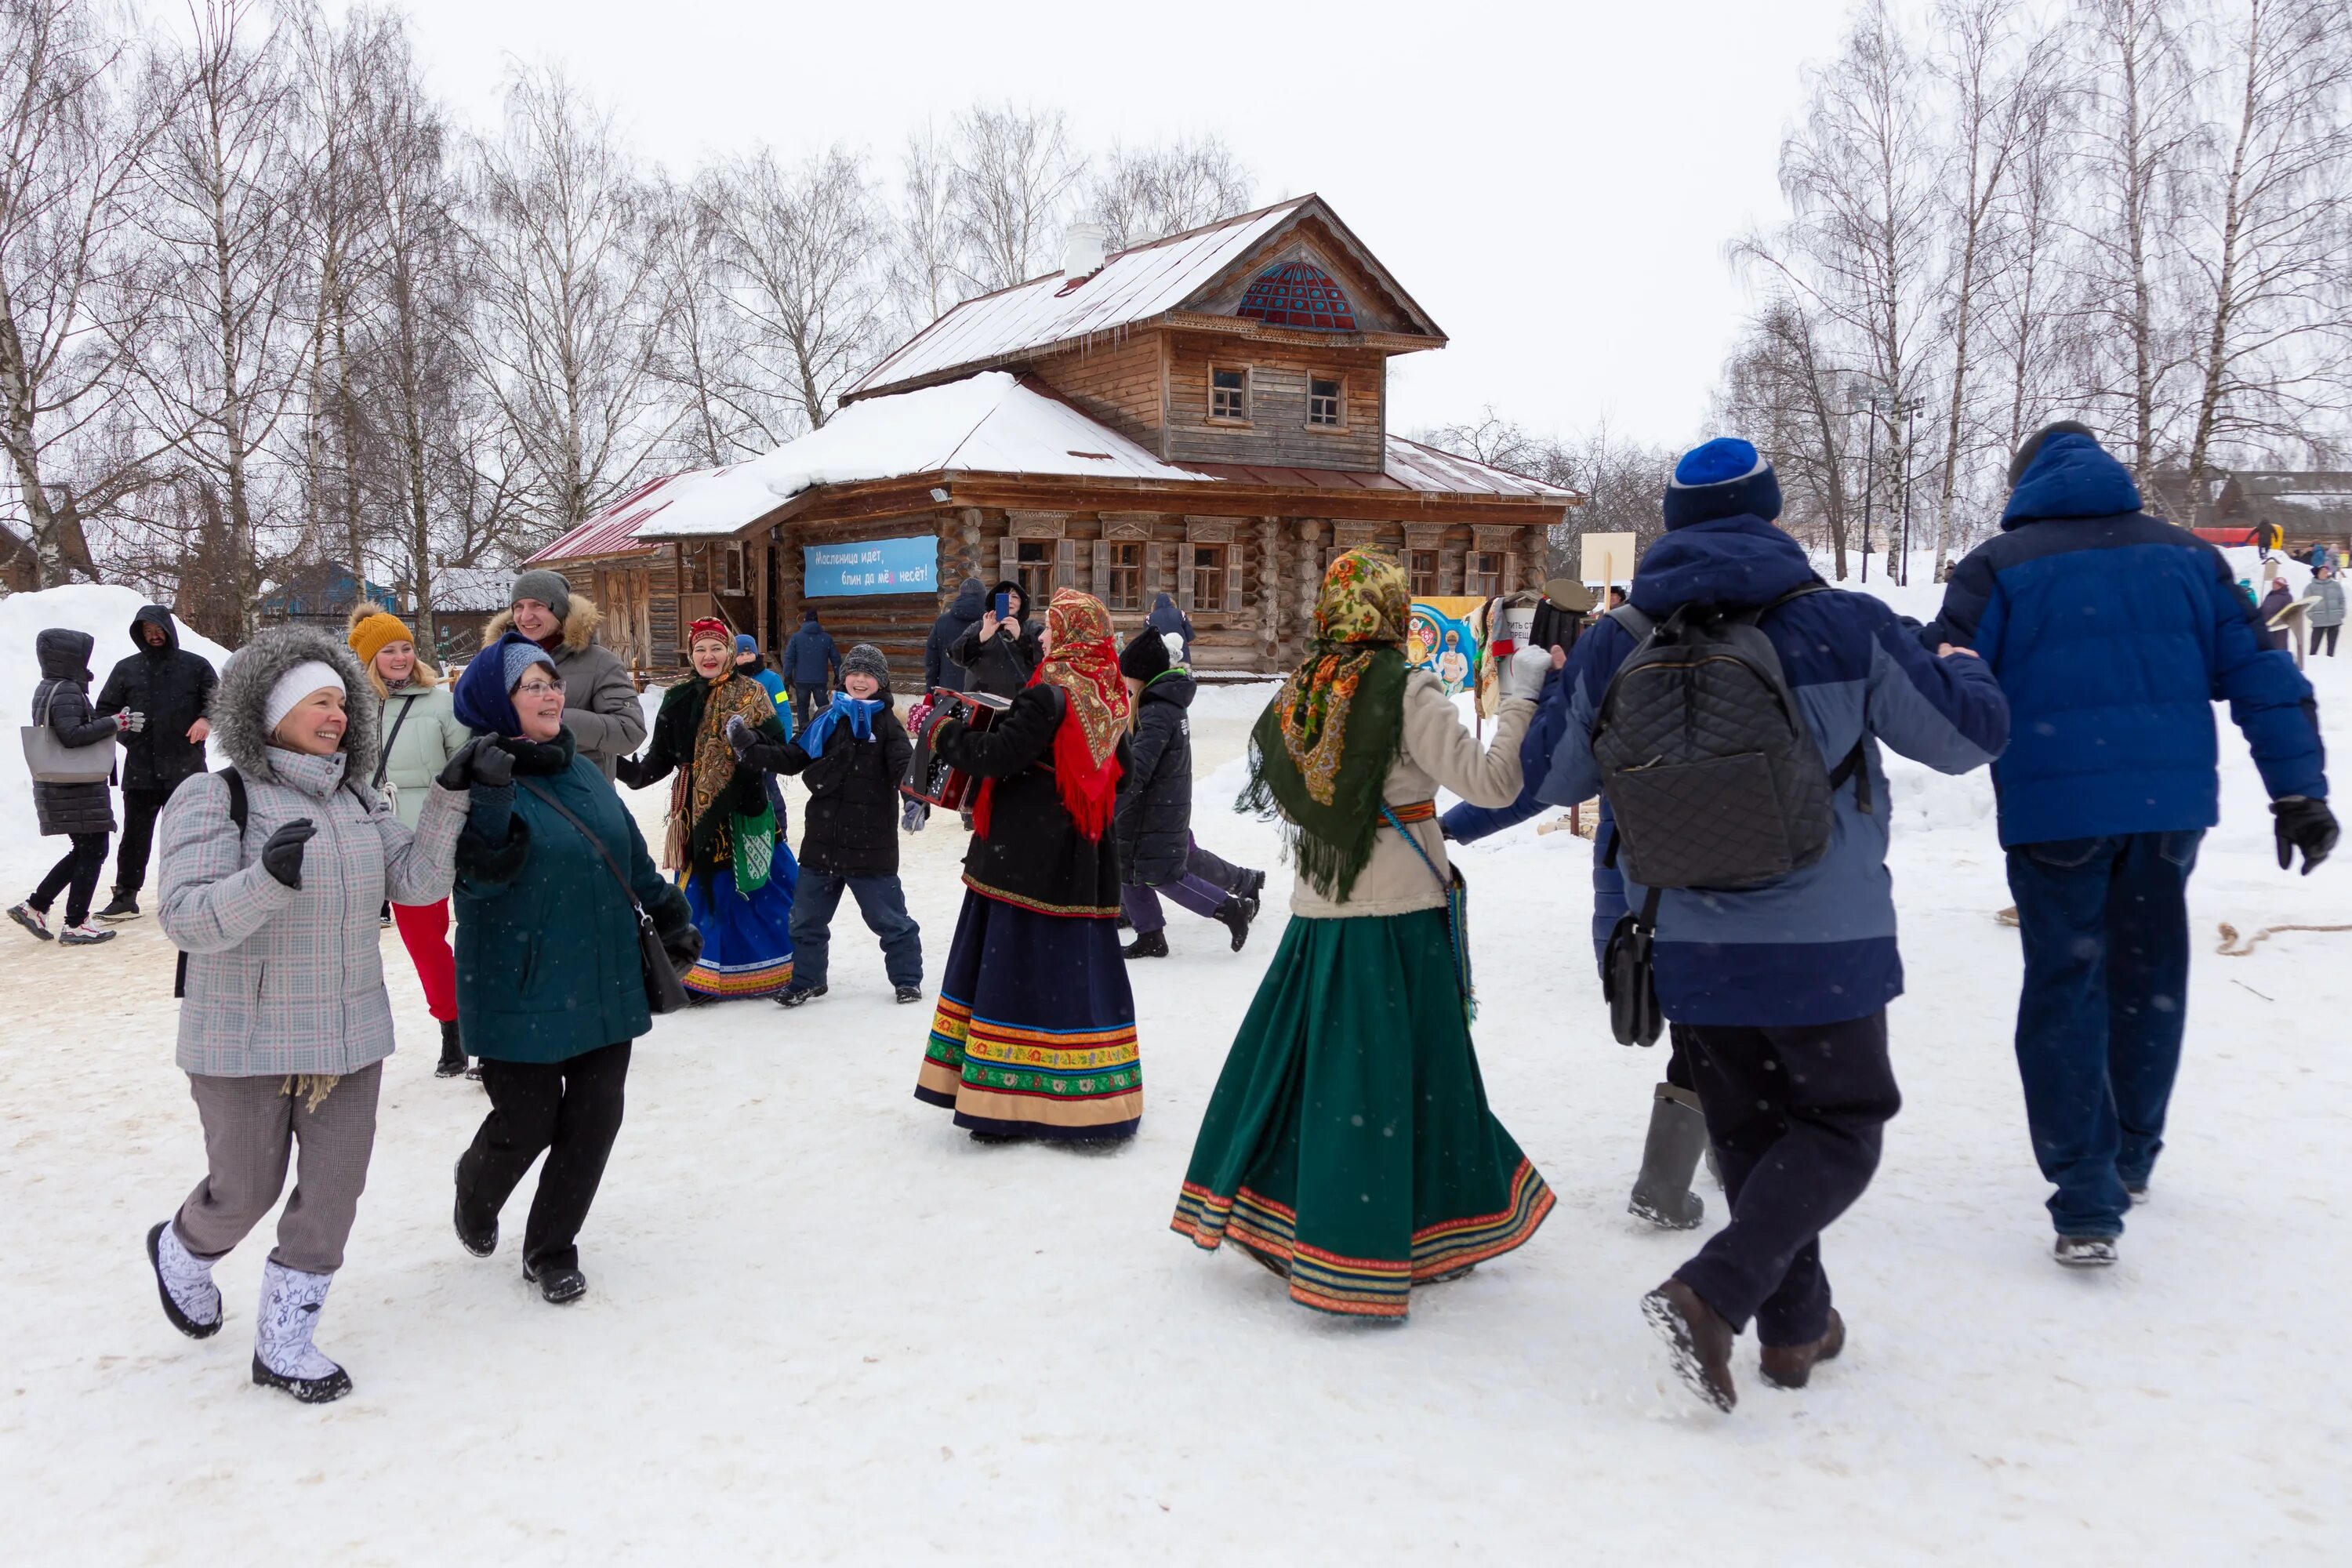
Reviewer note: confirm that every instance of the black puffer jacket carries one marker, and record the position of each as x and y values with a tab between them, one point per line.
940	670
1153	822
1034	856
1002	665
62	700
173	688
853	810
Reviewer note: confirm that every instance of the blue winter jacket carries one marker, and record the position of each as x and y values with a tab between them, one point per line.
810	658
1818	946
2114	634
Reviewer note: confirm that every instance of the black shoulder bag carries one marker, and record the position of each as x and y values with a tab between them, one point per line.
663	994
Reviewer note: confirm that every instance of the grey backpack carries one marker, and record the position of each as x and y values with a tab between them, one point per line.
1712	774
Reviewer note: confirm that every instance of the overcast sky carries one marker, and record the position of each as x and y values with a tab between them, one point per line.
1553	181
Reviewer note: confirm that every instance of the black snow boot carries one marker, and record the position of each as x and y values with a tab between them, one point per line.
911	993
123	907
557	1286
795	995
453	1053
1661	1193
1147	945
1235	914
1252	885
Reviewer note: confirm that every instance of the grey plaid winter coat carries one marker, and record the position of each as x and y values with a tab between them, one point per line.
289	980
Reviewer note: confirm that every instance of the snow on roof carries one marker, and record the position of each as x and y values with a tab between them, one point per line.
1430	469
472	588
1133	286
987	423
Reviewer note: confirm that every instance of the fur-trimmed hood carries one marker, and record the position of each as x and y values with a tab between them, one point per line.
240	700
580	624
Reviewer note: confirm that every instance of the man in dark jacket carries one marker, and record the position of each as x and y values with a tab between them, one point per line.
171	687
810	662
1782	991
1001	652
1152	823
851	758
939	671
2114	634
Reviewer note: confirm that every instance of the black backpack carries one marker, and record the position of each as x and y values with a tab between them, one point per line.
236	814
1711	775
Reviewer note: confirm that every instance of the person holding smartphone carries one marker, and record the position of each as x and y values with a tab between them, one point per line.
1000	653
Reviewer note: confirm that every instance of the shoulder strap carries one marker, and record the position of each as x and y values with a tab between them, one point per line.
610	863
236	815
384	756
1637	624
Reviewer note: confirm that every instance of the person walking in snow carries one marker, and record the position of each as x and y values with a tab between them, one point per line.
1169	621
81	813
852	757
272	871
1779	992
2277	597
941	672
421	733
724	839
1348	1146
2114	634
1001	651
2327	611
1034	1035
600	701
171	687
1153	823
812	664
551	984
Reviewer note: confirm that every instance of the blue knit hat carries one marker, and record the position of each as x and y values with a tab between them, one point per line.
743	643
483	698
1725	477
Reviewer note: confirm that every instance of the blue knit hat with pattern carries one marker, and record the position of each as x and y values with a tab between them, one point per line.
1725	477
483	698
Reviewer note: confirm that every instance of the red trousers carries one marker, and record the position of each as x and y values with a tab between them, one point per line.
426	929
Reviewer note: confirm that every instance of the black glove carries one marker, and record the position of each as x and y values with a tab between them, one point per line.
684	945
493	764
630	771
282	856
456	773
2303	824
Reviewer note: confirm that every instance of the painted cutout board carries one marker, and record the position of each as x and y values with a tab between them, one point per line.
1443	637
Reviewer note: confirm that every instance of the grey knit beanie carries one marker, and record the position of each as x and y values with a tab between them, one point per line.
547	586
866	659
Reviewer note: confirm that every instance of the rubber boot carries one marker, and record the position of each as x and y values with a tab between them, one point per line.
283	1356
1661	1193
453	1053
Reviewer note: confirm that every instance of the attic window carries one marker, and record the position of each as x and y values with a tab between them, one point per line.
1298	294
1229	394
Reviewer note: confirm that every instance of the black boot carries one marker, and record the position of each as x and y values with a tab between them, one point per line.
1147	945
1235	915
124	907
1670	1154
453	1053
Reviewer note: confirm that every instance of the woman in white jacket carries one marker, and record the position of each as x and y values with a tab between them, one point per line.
421	734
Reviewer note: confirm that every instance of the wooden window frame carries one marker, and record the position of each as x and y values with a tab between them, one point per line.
732	569
1249	396
1338	378
1490	582
1124	573
1413	572
1045	565
1216	576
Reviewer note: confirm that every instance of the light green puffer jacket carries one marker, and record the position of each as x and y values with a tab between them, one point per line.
428	737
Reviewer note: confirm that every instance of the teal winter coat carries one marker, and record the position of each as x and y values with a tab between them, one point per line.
548	961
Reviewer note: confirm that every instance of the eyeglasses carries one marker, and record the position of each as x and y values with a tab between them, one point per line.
538	687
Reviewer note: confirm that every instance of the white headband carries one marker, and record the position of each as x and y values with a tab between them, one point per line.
311	675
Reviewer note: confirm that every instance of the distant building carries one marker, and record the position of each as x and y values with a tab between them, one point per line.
1204	416
320	594
464	598
2303	508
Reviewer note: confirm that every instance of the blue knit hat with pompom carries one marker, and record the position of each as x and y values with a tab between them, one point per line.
1725	477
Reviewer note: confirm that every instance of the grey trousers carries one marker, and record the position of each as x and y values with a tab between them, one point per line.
251	1129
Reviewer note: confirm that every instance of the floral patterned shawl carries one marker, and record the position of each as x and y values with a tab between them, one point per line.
1084	663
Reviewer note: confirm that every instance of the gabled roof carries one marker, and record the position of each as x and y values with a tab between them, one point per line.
1134	286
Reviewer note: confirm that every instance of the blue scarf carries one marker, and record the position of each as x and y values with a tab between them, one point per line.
860	715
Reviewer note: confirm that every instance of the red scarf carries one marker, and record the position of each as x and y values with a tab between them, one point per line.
1084	662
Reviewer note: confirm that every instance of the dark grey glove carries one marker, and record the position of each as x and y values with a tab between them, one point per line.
281	857
2303	824
456	773
630	771
493	764
684	945
740	737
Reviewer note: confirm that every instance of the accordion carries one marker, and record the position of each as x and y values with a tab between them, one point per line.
929	778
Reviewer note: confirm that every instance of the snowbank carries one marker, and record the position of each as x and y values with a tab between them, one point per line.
104	612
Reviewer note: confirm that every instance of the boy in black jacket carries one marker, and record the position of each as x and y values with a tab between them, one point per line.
851	756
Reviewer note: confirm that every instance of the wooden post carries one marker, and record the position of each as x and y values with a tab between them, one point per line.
1269	589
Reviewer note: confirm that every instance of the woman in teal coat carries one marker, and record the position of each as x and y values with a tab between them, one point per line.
550	988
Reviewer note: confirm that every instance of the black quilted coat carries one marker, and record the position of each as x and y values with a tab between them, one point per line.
1153	822
62	699
852	821
173	688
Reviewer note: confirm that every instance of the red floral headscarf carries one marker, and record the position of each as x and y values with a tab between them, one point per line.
1082	661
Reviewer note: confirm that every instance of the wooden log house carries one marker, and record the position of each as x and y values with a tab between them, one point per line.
1206	416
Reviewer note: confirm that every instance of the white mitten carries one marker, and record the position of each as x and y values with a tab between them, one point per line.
1524	676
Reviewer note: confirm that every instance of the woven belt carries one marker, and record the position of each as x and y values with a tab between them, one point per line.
1414	811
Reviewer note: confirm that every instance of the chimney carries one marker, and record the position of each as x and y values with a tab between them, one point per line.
1082	250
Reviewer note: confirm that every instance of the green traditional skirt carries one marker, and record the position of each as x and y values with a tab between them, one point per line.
1348	1138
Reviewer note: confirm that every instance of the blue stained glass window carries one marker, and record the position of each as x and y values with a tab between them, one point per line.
1298	294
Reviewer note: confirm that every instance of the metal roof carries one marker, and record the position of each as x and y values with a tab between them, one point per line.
613	530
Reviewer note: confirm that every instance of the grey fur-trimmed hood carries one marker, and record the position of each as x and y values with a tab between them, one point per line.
239	701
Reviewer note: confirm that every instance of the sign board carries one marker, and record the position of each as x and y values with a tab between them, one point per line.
1608	558
870	566
1442	636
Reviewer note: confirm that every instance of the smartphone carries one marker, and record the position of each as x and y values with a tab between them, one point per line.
1003	607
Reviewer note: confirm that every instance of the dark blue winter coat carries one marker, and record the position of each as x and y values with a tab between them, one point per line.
1818	946
810	658
2113	635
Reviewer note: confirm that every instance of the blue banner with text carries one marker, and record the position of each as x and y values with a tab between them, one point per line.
871	566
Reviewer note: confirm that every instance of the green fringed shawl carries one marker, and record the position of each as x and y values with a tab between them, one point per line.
1320	754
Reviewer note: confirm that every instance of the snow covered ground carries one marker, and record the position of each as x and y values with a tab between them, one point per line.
825	1327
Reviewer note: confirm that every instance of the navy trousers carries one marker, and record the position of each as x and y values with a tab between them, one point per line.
2106	928
1796	1117
880	900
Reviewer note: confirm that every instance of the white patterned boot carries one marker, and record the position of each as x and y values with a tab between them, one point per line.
283	1355
184	1281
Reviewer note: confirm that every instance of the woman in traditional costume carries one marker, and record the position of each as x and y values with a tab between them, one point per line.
1348	1146
723	842
1035	1032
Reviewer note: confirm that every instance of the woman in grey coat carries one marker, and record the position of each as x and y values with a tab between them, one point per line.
2326	596
285	1024
84	813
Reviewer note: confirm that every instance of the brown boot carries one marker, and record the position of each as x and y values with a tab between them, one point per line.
1788	1367
1698	1337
